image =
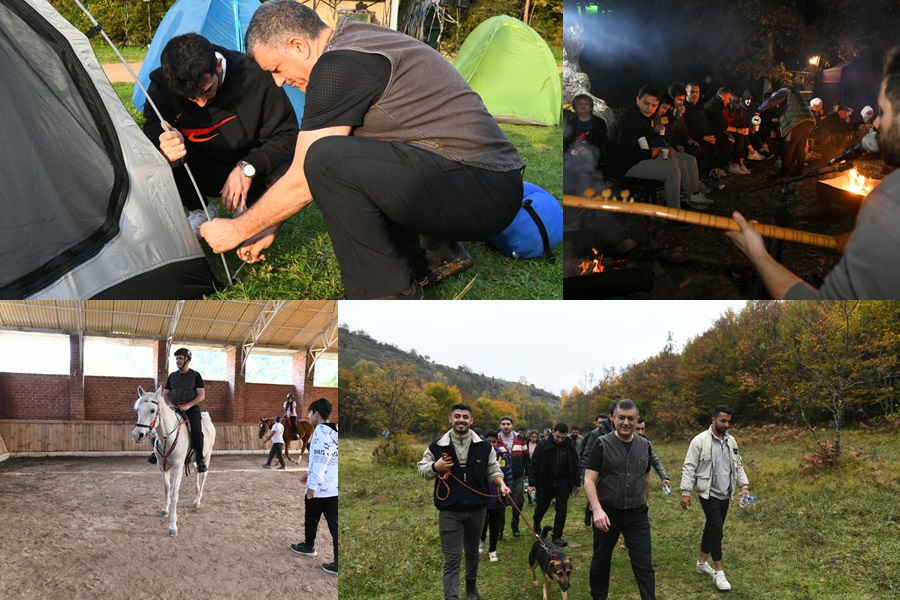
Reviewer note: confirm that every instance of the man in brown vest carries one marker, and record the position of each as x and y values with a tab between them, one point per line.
393	145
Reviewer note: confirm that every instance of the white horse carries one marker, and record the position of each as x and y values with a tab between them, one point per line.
172	446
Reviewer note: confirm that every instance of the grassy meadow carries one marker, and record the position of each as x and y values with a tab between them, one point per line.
832	535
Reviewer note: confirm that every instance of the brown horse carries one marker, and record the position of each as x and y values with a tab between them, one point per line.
304	429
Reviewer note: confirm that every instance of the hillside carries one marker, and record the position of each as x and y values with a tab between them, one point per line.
357	345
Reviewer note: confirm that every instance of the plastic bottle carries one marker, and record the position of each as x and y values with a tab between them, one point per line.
747	499
667	490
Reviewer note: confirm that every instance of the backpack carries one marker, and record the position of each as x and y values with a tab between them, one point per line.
536	228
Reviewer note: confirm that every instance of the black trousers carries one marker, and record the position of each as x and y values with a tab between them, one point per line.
210	178
725	148
716	510
314	509
493	523
193	416
560	493
275	452
794	151
377	197
634	525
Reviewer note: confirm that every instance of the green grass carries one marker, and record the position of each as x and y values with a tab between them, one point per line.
301	263
835	538
132	54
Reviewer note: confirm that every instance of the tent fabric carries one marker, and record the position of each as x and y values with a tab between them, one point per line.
222	22
513	70
88	202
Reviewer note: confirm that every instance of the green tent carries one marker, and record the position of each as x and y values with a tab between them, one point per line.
513	70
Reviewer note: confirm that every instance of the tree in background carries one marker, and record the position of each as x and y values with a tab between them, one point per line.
439	397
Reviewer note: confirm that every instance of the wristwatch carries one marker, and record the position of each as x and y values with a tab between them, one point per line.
246	168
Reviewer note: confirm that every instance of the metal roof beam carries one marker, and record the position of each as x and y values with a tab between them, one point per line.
266	316
325	341
173	326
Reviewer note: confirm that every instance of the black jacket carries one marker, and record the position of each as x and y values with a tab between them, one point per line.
622	148
250	119
553	463
715	114
473	475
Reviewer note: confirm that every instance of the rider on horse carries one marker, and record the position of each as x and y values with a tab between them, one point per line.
183	392
290	413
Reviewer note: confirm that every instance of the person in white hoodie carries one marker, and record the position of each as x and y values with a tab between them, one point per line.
321	482
714	467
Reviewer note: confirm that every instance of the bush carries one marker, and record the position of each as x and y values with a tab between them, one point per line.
126	22
396	450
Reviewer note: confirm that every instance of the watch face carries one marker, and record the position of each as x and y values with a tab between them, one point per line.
248	170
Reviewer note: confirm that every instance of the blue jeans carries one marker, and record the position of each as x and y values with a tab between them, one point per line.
460	532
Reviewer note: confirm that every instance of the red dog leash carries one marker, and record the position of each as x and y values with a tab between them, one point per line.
443	483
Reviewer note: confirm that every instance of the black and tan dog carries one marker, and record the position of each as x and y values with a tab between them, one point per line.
555	565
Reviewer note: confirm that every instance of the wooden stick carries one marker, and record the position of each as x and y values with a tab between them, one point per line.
607	203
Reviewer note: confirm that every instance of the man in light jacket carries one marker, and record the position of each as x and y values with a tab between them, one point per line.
713	466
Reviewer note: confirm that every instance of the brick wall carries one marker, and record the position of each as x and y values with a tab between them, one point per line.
112	398
34	396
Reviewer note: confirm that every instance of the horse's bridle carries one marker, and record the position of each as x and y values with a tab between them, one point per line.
164	437
152	424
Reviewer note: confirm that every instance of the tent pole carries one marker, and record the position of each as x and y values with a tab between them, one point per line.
162	121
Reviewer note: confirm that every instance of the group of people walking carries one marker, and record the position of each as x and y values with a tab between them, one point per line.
476	477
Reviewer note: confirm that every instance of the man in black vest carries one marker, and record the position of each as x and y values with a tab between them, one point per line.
462	497
616	482
183	392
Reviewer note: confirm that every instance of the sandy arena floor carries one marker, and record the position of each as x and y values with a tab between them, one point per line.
90	528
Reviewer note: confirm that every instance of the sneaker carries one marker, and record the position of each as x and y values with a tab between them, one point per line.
703	567
698	200
755	156
445	263
493	556
721	173
330	568
303	549
198	217
560	542
267	466
481	547
744	169
516	532
704	189
735	169
281	468
721	582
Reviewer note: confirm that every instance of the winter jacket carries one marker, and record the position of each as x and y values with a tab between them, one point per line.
323	461
480	468
548	460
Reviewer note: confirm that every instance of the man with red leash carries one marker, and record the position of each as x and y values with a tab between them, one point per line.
465	465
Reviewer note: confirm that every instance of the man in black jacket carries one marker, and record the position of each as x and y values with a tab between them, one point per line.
698	126
226	119
470	460
554	475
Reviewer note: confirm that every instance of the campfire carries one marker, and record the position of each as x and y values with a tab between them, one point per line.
845	193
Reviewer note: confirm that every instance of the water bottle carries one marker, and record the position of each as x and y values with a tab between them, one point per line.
746	500
667	490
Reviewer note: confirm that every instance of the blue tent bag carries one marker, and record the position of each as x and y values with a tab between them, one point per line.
538	227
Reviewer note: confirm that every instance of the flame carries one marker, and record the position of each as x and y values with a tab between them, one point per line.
592	264
858	184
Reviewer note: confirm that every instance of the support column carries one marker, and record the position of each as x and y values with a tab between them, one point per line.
76	377
234	404
159	355
298	380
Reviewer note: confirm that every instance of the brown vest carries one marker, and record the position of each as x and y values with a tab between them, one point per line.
427	103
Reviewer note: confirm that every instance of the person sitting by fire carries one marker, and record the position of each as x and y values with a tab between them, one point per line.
584	135
868	268
837	125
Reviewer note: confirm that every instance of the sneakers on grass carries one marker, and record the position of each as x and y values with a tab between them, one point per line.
721	582
703	567
493	556
198	217
303	549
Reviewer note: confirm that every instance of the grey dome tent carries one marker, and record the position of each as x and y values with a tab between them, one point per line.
89	206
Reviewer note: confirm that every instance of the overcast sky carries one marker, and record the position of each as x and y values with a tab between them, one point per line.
551	344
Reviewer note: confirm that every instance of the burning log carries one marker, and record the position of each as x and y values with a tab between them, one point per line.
606	203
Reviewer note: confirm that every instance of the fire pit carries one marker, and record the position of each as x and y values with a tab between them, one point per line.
846	193
605	256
